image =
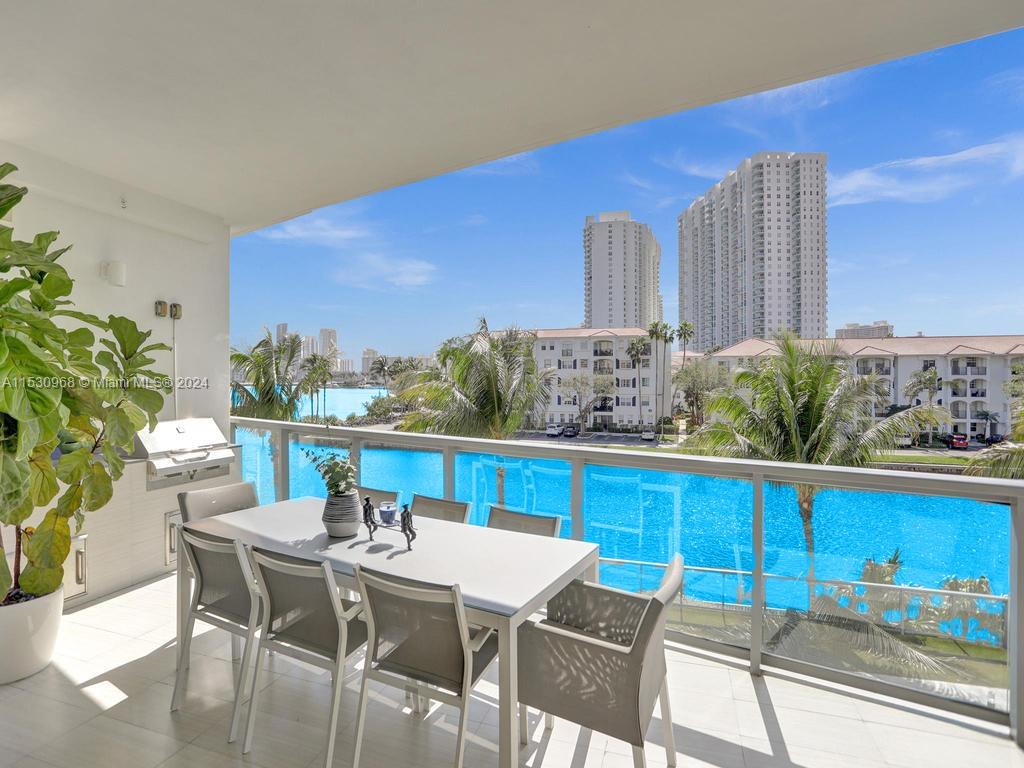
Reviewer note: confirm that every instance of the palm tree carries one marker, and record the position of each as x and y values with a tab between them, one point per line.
927	381
659	332
635	351
1005	459
989	417
266	387
685	333
805	405
382	368
318	369
486	384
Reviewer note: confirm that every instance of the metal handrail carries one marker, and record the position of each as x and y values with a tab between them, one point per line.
853	478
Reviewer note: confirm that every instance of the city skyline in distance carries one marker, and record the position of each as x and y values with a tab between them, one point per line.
926	159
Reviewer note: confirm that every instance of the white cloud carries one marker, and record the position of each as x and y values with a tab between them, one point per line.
799	97
638	182
1009	82
379	271
930	178
521	164
318	230
474	220
681	161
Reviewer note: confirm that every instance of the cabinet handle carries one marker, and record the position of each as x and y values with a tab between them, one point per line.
80	566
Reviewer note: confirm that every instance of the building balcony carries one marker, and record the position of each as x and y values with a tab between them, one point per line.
602	352
966	370
879	369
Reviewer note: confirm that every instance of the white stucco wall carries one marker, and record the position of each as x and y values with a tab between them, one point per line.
172	252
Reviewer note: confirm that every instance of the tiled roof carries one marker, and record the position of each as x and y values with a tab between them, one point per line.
896	345
585	333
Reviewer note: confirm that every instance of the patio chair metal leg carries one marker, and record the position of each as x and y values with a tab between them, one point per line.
250	721
524	725
242	688
639	759
236	647
549	721
186	650
361	719
666	724
460	748
332	726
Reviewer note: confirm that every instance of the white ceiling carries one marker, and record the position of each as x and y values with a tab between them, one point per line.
259	111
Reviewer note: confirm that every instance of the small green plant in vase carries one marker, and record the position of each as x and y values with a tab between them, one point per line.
342	513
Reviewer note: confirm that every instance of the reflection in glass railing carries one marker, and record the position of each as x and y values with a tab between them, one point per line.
257	462
534	486
904	588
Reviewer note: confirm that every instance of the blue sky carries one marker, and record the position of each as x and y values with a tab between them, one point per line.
926	214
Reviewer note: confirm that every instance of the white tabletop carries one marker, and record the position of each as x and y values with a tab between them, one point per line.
500	572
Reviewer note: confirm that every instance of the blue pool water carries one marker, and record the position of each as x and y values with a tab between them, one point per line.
649	515
342	401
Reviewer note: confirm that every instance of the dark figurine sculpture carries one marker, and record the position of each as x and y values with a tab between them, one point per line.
407	529
368	520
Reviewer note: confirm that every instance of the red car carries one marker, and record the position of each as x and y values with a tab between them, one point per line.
957	440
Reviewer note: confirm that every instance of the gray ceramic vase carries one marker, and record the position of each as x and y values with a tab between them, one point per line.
342	515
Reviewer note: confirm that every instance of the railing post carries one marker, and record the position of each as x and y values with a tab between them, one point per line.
355	458
757	588
576	498
448	470
280	446
1015	625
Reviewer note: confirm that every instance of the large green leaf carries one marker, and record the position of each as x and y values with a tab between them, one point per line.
30	385
149	400
56	284
41	581
43	478
71	467
70	502
14	487
97	487
126	332
5	575
50	545
9	288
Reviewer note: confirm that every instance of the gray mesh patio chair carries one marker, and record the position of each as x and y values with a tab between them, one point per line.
420	641
505	519
440	509
599	661
225	596
305	618
198	505
377	497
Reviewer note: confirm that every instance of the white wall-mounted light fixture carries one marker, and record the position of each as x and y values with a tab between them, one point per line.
115	272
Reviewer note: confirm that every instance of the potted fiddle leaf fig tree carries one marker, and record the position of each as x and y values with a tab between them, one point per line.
74	390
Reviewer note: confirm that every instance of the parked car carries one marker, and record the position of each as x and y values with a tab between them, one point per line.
571	430
554	430
904	441
993	439
956	440
647	434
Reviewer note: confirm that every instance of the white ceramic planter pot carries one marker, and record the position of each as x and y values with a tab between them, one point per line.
29	632
342	515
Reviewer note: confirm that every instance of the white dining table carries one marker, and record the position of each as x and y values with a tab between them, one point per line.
504	576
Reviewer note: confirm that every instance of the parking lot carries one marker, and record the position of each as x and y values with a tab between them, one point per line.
589	438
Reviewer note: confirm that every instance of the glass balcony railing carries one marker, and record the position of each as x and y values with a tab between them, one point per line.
865	577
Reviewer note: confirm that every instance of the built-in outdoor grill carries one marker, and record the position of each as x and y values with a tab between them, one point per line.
179	454
183	451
